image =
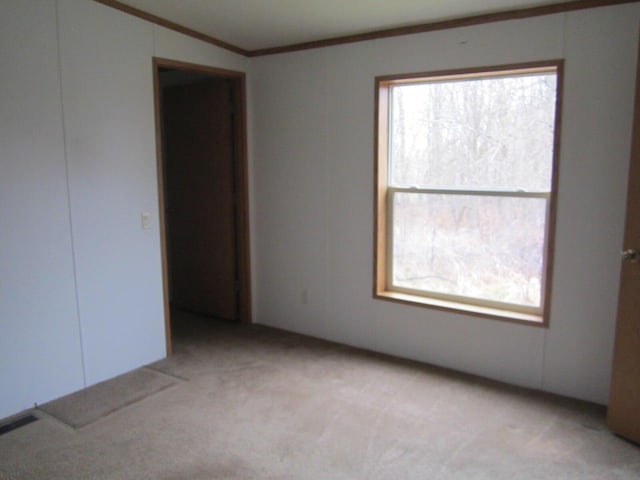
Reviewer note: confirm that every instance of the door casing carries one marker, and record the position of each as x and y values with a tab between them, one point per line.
238	80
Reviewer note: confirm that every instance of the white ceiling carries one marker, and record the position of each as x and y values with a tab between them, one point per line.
257	24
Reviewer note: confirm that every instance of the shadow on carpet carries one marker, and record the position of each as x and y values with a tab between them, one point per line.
86	406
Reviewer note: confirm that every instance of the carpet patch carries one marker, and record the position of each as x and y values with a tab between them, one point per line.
86	406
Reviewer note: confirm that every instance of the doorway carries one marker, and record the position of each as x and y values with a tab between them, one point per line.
203	192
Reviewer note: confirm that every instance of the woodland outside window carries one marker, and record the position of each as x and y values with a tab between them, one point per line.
465	189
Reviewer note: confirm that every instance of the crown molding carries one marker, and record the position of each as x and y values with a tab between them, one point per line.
172	26
385	33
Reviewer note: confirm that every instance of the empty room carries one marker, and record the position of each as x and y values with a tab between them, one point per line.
296	239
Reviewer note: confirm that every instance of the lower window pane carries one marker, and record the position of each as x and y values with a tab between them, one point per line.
483	247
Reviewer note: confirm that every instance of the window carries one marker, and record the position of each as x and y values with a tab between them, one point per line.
466	187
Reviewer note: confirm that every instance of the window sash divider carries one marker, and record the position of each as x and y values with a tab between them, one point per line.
486	193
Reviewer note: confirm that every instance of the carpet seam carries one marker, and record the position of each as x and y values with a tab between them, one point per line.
166	374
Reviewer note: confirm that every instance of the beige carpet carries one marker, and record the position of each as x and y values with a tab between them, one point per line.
258	403
86	406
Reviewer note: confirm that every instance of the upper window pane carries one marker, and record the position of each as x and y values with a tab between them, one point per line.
491	133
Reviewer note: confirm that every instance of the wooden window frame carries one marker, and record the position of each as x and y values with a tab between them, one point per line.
384	193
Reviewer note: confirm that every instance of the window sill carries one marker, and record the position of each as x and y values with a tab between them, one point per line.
475	310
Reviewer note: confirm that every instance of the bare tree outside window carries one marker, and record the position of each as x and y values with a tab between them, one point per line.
469	181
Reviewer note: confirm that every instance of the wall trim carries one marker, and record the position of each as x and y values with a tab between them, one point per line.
172	25
443	25
376	34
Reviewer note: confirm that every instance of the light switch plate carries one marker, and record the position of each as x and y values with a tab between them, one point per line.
146	220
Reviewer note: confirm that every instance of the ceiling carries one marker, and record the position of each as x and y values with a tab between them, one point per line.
260	24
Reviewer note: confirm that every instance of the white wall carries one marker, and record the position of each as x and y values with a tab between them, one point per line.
80	285
80	281
312	200
40	354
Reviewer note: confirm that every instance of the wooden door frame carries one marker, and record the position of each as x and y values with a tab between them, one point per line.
241	183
